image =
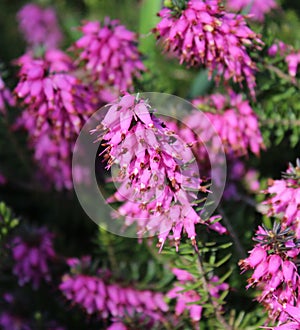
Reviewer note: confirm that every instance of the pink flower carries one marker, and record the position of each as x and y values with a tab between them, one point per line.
258	8
57	104
284	199
234	120
98	295
109	54
286	326
39	26
204	34
6	97
117	326
278	47
32	255
293	311
275	272
293	60
158	178
291	56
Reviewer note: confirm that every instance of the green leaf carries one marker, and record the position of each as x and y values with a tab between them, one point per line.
147	21
223	260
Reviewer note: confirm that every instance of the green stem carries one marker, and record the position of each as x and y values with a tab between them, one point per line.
217	307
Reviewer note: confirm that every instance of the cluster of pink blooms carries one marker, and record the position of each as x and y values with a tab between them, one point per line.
258	9
39	26
57	104
233	119
32	254
6	97
158	178
110	54
285	198
292	57
275	273
189	300
97	295
204	34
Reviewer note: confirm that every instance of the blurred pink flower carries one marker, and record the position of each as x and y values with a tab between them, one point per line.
32	254
293	60
39	26
258	8
291	56
6	97
99	295
233	119
56	105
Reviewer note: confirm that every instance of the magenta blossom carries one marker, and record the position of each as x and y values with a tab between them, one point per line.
39	26
291	56
99	295
204	34
234	120
109	54
284	198
275	272
32	255
293	60
157	179
258	8
57	104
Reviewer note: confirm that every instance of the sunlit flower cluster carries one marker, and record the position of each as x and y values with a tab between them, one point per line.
284	198
275	272
204	34
108	51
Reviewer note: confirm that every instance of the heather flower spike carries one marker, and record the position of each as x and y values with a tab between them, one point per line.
39	26
97	294
234	120
32	255
204	34
284	198
57	104
290	55
110	55
157	178
275	273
